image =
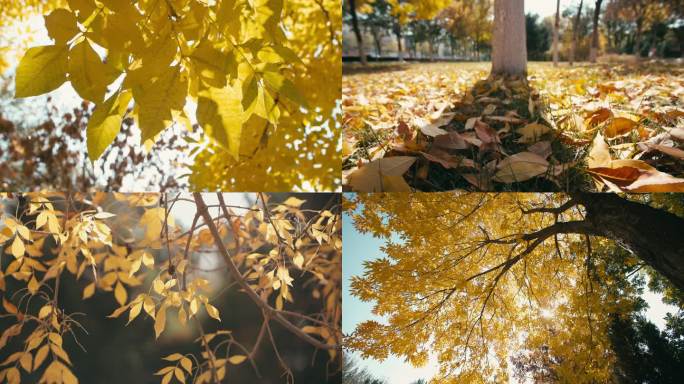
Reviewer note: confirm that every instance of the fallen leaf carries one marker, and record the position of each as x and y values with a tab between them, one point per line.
599	156
532	132
486	133
619	176
620	126
452	140
674	152
542	148
395	184
520	167
369	177
656	181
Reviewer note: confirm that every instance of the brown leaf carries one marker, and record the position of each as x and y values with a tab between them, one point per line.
599	116
674	152
620	126
520	167
542	148
656	181
369	177
443	158
452	140
532	132
620	176
486	133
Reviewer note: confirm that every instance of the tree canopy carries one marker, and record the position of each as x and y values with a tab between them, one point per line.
482	281
247	72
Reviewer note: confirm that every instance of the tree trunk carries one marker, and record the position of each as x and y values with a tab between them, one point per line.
556	28
509	47
653	235
357	32
378	40
637	39
397	33
575	33
595	33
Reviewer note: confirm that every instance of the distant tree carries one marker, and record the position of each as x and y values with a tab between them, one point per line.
556	26
575	32
595	32
378	22
352	373
351	8
537	37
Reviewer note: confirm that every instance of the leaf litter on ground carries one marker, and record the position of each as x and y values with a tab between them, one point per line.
590	127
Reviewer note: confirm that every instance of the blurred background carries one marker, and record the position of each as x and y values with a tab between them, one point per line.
115	353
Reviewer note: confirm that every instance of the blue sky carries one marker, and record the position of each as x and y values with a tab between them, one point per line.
360	247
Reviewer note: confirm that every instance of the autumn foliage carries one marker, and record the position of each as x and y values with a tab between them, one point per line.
156	275
594	127
246	72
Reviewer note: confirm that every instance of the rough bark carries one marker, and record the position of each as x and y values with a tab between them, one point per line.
575	33
357	32
654	235
509	48
556	28
595	33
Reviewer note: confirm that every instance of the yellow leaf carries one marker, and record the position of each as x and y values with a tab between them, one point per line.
160	321
620	126
148	305
40	356
186	364
61	25
237	359
18	248
212	311
105	123
45	311
179	374
120	293
156	97
41	70
298	260
88	74
89	291
173	357
135	311
26	362
33	285
219	112
9	307
210	63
